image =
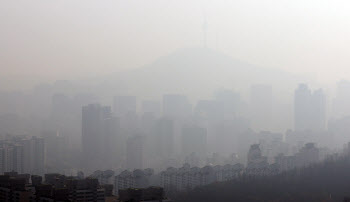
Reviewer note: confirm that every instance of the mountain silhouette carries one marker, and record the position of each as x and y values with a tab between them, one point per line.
199	72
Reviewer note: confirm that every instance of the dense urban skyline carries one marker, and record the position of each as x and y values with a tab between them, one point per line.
157	100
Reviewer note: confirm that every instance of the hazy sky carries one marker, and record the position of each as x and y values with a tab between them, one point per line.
46	40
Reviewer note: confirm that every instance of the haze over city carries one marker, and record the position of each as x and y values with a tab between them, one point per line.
44	41
174	100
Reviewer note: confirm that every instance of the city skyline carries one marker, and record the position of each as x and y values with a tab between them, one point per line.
174	101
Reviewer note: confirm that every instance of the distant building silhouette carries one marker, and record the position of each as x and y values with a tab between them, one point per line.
99	131
261	103
257	163
309	109
164	137
135	152
38	157
341	107
255	156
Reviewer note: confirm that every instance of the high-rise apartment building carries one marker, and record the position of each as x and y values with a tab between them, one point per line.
38	157
23	156
99	131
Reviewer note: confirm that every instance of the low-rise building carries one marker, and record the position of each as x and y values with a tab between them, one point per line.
150	194
136	179
186	178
